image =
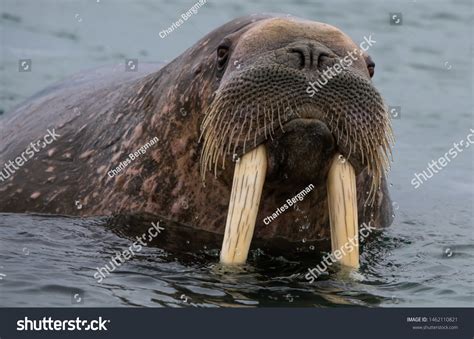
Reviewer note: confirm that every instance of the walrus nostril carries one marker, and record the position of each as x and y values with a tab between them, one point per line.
309	57
303	55
323	58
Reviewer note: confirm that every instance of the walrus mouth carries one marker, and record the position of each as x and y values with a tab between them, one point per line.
257	102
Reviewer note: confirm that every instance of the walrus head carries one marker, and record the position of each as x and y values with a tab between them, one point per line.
264	76
265	82
264	71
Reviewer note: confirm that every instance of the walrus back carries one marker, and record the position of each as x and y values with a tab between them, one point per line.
60	110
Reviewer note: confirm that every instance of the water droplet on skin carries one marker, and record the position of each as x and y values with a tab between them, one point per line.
235	158
341	159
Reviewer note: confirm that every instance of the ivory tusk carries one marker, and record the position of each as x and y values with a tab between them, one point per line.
342	204
247	186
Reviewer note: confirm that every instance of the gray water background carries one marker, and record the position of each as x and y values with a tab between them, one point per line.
424	66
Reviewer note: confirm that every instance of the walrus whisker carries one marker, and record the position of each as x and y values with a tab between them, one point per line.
272	121
279	118
264	122
238	138
230	144
257	132
247	137
221	118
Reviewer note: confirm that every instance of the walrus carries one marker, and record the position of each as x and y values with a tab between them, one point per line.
164	140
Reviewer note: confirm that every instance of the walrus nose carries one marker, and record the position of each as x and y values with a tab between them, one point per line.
307	56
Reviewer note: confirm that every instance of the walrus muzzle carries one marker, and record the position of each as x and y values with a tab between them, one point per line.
255	103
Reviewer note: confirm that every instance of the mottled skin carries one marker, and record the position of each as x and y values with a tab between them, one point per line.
104	115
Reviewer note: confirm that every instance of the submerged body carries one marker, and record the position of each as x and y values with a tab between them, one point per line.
137	142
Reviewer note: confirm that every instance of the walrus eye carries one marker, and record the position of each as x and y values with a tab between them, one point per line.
371	68
222	56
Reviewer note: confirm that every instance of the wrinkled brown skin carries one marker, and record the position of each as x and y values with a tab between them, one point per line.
104	115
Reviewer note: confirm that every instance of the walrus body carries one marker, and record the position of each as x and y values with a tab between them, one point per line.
104	116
